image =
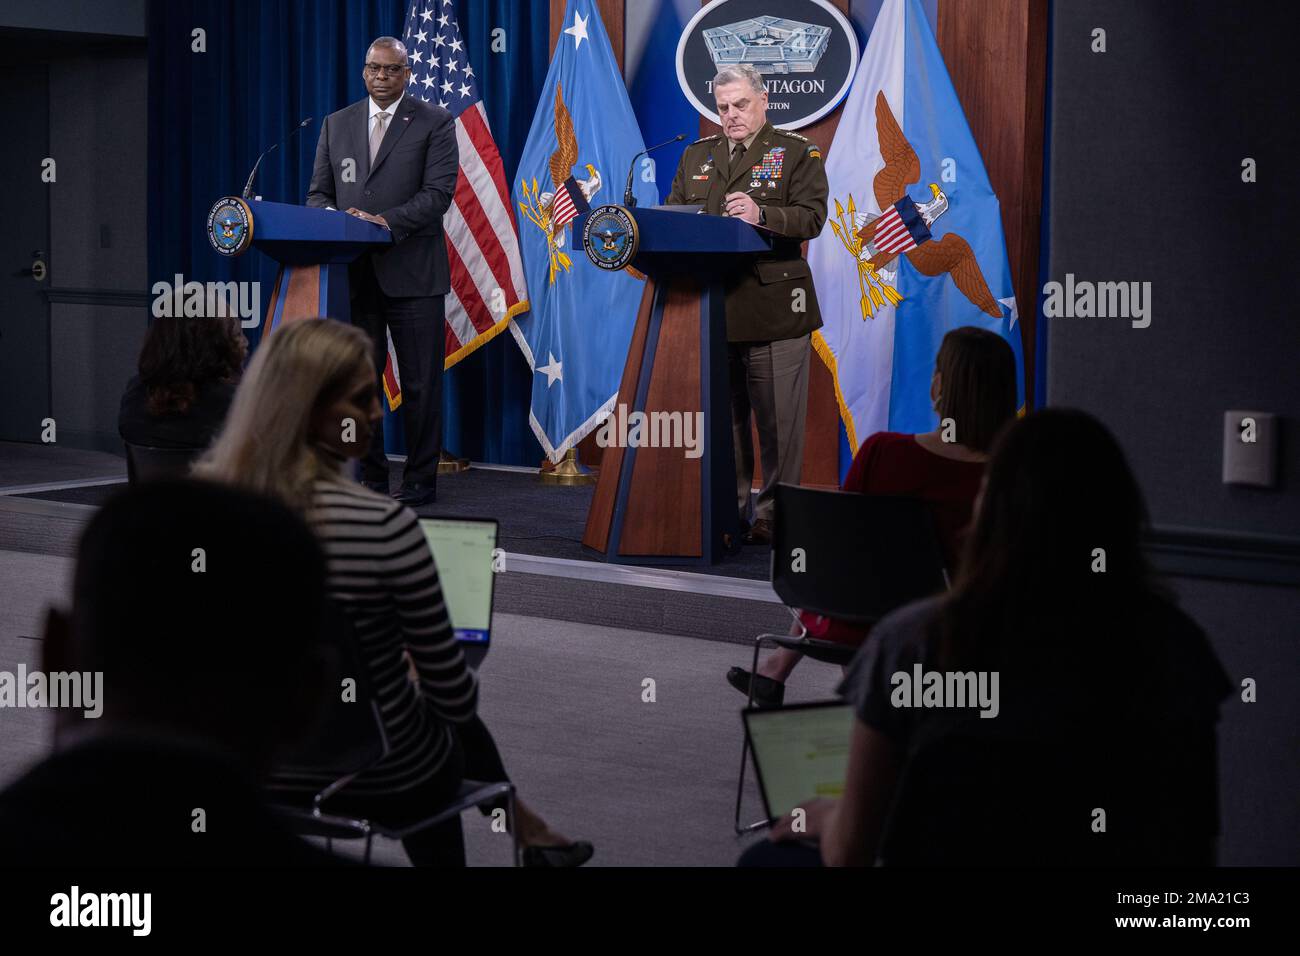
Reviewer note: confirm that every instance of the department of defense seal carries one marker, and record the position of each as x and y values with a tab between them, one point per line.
610	237
230	226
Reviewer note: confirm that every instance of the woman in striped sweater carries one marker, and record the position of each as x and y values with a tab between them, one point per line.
306	405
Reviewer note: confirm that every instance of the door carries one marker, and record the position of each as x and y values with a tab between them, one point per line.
24	247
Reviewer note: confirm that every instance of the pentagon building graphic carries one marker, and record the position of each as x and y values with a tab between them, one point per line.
769	44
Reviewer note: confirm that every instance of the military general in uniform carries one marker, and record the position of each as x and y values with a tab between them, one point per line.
774	179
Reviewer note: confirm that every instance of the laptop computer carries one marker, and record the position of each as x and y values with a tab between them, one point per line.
462	549
800	751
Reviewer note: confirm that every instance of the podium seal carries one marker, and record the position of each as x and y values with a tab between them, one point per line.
610	237
230	226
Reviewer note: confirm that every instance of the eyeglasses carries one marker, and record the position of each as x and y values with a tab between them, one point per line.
374	69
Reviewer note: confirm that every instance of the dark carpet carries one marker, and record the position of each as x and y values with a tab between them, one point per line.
534	518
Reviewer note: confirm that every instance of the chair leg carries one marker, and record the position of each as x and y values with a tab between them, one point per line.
740	788
740	828
516	854
370	839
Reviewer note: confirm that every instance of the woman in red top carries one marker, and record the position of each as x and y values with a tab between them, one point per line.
974	393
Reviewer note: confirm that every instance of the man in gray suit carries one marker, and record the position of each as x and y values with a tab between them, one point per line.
392	159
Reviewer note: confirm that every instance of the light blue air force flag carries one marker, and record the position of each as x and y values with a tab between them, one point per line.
915	245
576	334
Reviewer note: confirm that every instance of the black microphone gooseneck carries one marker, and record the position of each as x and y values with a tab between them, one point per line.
628	199
248	186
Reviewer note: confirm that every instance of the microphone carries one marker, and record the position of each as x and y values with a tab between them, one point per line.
248	186
628	199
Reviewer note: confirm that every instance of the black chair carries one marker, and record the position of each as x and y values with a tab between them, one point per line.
849	556
147	463
348	739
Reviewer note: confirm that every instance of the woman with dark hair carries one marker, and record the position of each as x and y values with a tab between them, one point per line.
974	393
1101	744
188	370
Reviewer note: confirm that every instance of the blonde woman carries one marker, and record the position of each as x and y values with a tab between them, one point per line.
306	405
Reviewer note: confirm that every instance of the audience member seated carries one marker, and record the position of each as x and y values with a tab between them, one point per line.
307	404
202	658
974	388
1106	701
188	370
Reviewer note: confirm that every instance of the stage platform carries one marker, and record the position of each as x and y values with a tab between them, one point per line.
47	494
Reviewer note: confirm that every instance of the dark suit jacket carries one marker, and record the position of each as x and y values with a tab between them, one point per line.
760	303
410	184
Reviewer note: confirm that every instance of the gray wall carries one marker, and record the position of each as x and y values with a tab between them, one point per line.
108	17
1146	144
1145	150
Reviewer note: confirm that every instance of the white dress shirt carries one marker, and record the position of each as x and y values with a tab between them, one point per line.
375	110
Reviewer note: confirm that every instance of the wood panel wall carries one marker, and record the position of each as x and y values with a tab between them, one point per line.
996	52
611	12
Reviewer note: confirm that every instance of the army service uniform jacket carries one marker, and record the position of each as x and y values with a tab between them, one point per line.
783	172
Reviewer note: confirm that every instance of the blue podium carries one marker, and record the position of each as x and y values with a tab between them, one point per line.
658	505
313	247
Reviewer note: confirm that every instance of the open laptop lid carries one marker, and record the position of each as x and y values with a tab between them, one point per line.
800	751
462	549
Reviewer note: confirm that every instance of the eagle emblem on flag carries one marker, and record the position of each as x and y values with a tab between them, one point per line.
903	228
554	210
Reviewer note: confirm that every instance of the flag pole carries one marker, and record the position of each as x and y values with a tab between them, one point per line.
450	463
569	471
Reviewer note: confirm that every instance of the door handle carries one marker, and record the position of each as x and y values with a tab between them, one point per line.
38	270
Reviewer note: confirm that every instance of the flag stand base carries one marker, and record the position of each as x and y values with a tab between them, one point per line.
449	464
569	471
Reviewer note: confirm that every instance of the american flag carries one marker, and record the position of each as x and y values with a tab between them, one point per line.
487	275
899	228
569	204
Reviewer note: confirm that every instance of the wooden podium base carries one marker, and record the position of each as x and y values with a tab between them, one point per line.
657	501
309	292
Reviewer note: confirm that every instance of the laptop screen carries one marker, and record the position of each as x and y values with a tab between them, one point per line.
800	752
463	550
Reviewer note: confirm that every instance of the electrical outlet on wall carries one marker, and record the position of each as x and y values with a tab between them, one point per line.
1250	449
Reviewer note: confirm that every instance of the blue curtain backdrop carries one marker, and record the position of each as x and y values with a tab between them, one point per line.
270	63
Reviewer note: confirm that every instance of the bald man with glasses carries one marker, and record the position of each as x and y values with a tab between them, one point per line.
392	159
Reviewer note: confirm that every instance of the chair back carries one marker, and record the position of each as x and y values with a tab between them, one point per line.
349	732
862	555
147	463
